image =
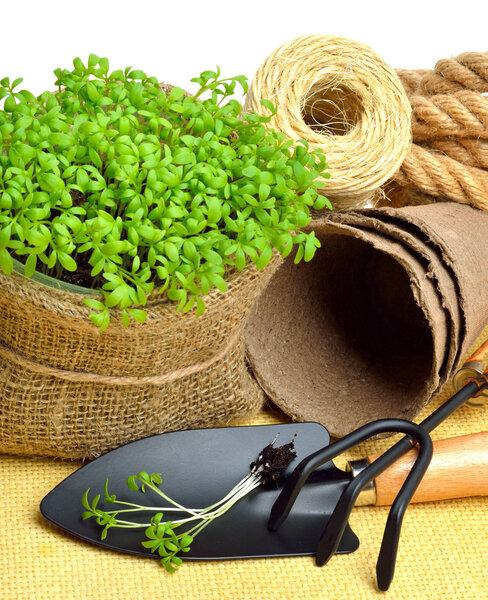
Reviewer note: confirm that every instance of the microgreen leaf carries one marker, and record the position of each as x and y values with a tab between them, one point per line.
131	483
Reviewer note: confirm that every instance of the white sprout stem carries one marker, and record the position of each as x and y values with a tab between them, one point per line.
243	482
153	508
246	485
240	490
131	524
140	507
192	511
198	512
206	515
209	517
197	529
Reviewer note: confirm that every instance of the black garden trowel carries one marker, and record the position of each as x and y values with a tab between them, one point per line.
200	466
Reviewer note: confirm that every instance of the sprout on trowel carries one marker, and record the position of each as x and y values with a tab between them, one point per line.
161	533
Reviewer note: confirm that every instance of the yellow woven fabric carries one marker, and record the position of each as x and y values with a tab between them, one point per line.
442	552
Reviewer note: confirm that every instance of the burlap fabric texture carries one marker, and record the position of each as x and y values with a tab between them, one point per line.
376	324
68	391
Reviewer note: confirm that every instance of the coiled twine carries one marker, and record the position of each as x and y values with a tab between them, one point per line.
339	95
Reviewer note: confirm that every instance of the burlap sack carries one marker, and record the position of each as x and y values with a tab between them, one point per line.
378	321
68	391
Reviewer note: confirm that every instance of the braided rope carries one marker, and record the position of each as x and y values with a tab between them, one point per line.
468	71
470	151
449	155
463	114
411	78
441	176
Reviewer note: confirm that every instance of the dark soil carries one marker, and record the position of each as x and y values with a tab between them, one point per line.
77	198
274	462
80	277
82	274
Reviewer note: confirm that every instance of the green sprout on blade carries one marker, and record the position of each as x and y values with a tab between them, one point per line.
169	538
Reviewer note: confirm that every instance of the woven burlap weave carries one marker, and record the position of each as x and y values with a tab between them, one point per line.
69	391
442	553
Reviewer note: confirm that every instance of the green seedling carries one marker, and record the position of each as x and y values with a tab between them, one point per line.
170	538
147	190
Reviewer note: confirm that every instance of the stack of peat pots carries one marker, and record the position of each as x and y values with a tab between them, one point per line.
379	320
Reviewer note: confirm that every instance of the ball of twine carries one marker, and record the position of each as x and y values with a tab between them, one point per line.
338	95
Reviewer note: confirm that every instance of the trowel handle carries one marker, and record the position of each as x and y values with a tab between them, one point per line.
459	468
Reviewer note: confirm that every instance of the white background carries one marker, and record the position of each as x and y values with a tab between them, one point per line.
176	40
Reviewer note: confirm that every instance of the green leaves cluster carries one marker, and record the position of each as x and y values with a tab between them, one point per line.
163	540
104	519
154	190
139	481
160	535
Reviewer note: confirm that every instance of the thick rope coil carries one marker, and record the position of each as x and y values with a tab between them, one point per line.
469	151
449	155
468	71
461	114
411	78
441	176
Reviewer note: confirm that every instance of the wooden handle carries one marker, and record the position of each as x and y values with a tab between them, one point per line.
479	354
459	468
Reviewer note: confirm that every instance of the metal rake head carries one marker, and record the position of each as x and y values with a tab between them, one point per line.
332	534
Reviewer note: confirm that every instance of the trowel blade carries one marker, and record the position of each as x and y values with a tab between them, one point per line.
199	467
